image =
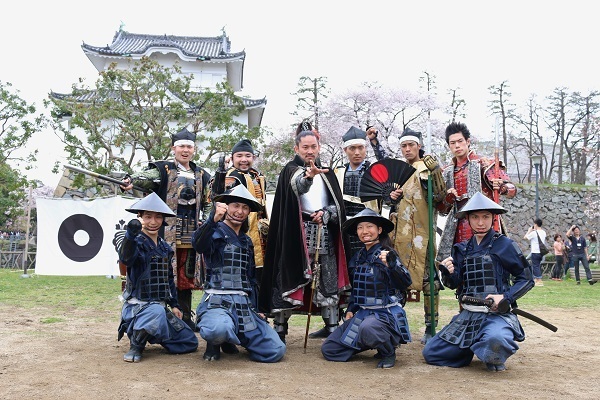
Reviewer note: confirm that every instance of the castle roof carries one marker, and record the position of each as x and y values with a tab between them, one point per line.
126	44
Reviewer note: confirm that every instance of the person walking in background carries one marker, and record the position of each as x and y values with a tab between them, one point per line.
568	258
579	253
533	233
559	257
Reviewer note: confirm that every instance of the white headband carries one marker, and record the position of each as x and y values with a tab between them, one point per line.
183	142
354	141
409	137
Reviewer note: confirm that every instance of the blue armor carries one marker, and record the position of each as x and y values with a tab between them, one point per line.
226	314
481	269
379	321
233	273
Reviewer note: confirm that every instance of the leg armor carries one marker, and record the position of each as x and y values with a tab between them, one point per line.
280	323
427	309
331	317
185	302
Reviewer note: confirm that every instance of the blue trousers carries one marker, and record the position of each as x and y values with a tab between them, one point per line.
495	342
217	326
536	259
153	319
586	266
372	334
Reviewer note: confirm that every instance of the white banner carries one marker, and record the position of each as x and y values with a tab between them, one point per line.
75	237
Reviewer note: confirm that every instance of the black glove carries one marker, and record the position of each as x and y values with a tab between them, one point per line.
134	227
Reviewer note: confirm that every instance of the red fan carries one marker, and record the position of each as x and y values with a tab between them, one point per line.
383	177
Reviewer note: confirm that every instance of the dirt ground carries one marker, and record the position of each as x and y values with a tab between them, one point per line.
79	357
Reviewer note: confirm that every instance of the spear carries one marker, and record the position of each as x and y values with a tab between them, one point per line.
497	175
104	177
431	243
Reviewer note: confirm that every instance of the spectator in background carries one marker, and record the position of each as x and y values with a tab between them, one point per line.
592	247
568	258
536	257
559	257
579	252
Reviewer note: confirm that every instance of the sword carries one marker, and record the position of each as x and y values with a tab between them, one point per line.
504	307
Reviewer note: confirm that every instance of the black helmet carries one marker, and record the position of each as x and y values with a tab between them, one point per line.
239	194
367	215
480	202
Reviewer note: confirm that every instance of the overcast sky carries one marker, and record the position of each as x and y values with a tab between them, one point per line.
534	45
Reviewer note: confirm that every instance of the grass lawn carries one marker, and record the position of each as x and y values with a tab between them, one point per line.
64	293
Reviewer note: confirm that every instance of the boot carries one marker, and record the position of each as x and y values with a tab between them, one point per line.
229	348
426	336
331	317
495	367
281	336
387	362
212	353
320	334
138	343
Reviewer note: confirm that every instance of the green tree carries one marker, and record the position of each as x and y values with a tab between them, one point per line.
18	122
11	194
310	95
135	111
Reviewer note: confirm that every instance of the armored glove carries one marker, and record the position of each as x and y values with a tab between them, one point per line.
263	226
430	162
134	227
437	179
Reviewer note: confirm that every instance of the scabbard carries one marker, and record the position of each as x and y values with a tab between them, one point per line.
532	317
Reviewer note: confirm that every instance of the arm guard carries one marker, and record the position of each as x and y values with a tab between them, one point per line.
522	281
507	188
398	272
218	181
202	237
129	247
302	184
378	149
437	180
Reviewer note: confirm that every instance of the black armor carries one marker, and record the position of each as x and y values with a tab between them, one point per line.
233	272
479	277
186	212
153	285
312	232
369	289
352	190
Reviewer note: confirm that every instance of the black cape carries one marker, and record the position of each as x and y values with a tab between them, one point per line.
286	258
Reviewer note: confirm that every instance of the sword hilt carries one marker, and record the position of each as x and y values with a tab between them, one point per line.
503	306
476	301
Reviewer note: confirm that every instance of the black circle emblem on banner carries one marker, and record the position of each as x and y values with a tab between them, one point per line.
66	237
